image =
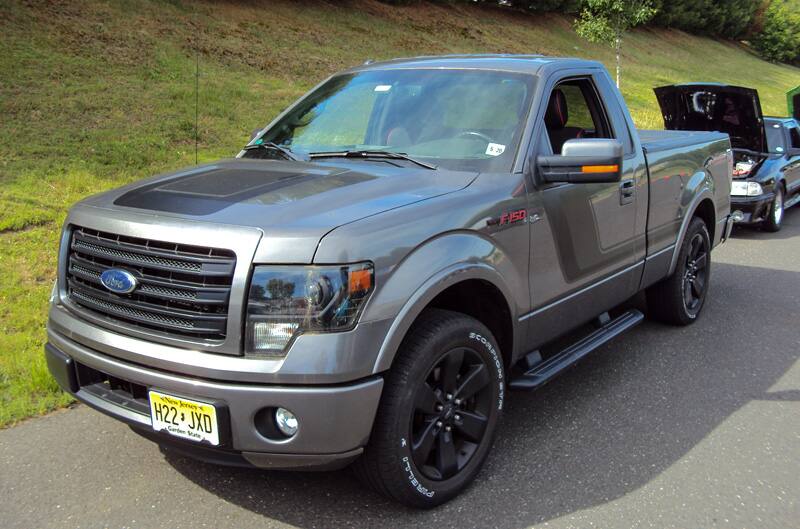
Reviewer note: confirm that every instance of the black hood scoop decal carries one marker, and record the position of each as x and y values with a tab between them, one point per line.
206	192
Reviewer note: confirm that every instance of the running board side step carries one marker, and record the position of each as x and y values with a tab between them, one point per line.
543	372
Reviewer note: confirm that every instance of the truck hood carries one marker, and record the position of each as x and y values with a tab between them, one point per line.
288	201
734	110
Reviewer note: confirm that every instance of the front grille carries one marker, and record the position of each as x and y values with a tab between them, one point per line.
183	289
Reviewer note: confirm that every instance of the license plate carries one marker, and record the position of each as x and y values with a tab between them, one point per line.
189	419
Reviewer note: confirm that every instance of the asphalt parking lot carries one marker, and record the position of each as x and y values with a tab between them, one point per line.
692	428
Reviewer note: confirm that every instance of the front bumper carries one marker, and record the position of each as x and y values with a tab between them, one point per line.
335	421
754	209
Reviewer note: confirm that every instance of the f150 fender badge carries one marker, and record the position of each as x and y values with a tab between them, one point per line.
508	217
119	281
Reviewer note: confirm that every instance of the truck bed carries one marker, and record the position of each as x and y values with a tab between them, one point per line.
661	140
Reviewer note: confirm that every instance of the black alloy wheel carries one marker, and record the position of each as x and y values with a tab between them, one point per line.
452	407
440	406
678	299
695	274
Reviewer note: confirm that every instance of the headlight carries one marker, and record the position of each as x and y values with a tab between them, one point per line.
746	189
285	301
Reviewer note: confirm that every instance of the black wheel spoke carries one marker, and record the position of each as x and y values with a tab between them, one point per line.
687	291
421	448
694	247
696	291
471	425
697	287
426	399
449	370
474	381
701	261
446	460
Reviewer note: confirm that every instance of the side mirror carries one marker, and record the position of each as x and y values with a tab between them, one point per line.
583	161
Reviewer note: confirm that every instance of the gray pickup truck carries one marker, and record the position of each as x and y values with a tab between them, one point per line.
378	267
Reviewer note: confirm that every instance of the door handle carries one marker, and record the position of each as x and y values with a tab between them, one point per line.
627	190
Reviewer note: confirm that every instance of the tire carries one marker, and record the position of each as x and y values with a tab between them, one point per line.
774	219
423	451
679	298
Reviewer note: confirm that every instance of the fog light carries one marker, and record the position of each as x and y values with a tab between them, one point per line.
271	337
286	421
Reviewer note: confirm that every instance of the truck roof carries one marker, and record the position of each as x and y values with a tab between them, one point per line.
526	64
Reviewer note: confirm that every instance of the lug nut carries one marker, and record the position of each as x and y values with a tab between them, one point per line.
449	396
439	424
457	417
458	402
447	428
439	407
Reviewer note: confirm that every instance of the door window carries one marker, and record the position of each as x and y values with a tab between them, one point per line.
574	111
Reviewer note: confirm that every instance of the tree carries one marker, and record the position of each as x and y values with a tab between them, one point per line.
607	20
726	18
779	41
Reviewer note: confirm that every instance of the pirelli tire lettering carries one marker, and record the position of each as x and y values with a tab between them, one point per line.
412	480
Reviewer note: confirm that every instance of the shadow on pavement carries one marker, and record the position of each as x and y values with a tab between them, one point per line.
604	429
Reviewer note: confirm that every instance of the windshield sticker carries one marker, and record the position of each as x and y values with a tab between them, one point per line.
383	88
495	149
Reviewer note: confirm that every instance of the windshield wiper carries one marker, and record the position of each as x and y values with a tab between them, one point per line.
389	155
289	155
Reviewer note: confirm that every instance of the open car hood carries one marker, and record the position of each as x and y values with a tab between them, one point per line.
734	110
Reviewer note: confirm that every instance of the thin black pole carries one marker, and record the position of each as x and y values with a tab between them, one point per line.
196	101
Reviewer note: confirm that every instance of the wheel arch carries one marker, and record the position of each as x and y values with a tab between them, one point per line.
479	287
702	206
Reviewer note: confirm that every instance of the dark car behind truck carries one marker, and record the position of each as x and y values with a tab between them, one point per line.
766	173
380	264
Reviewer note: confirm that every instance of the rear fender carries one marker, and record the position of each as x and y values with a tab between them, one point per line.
700	186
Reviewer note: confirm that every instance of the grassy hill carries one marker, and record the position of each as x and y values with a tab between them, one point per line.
94	94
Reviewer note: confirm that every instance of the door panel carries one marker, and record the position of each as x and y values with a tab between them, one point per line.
583	245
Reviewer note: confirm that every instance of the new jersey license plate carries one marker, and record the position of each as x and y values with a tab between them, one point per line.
189	419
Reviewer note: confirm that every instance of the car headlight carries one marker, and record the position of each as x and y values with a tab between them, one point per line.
285	301
746	189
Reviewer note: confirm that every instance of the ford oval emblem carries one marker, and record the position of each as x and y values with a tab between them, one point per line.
119	281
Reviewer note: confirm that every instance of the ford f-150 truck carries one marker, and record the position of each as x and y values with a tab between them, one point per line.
378	267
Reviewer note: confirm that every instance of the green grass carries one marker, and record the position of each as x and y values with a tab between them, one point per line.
99	93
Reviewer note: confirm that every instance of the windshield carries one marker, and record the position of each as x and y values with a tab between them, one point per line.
774	136
457	119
